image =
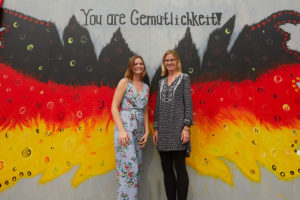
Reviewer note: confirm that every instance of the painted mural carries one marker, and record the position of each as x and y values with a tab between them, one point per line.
55	99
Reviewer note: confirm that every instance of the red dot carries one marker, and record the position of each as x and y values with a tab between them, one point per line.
279	23
294	22
253	28
31	19
275	25
5	10
268	20
48	24
285	12
20	16
274	16
295	54
290	13
47	159
283	22
280	13
10	12
285	39
25	17
41	23
264	23
258	25
36	21
289	21
16	14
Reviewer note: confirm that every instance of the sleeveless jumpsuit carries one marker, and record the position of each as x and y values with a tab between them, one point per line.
129	159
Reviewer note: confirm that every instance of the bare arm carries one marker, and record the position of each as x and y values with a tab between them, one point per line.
117	99
146	125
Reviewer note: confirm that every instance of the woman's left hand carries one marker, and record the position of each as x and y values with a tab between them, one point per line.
185	136
143	140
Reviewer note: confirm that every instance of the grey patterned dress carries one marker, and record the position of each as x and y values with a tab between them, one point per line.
173	111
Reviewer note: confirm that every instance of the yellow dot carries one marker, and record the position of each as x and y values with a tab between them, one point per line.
16	25
298	78
286	107
293	86
30	47
72	63
293	81
42	92
296	90
70	40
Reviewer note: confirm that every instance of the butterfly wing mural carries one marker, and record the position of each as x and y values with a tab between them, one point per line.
56	95
246	100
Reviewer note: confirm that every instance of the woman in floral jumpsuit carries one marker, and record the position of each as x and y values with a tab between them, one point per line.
132	127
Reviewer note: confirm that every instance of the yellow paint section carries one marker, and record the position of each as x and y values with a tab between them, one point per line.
238	138
248	144
29	151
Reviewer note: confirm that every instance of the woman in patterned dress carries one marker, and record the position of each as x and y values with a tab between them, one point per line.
172	121
131	127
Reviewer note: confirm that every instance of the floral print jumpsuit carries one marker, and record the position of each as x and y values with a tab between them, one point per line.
129	159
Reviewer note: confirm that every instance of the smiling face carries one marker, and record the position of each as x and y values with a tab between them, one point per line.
170	63
138	66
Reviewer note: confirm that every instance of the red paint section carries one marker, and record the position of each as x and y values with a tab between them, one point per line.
23	100
274	99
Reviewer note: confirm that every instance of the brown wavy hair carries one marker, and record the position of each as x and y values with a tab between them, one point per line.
129	72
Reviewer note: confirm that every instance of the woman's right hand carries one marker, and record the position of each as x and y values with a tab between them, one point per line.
155	137
124	139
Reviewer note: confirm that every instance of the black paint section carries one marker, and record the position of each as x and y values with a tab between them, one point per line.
34	48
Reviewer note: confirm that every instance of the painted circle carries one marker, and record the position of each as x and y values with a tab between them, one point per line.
286	107
2	165
70	40
83	39
235	92
30	47
72	63
26	152
16	25
50	105
79	114
277	79
22	110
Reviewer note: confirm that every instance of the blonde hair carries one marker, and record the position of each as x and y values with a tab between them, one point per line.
129	72
164	71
